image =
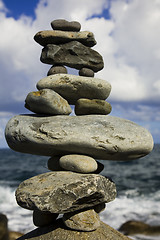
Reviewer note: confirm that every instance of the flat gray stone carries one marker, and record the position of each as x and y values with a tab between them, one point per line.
101	137
47	101
64	25
58	231
87	220
57	70
72	87
62	192
60	37
92	106
73	54
78	163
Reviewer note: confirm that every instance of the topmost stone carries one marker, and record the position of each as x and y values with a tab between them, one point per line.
63	25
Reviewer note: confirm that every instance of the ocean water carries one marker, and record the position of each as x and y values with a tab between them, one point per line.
137	181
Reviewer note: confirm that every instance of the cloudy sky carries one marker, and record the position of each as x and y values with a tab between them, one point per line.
128	38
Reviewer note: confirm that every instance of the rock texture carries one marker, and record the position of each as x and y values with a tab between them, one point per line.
86	221
57	70
64	25
61	37
47	101
92	106
73	54
62	192
101	137
72	87
58	231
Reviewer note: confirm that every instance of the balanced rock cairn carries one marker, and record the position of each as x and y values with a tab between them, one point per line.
73	187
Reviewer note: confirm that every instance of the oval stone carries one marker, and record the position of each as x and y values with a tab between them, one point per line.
101	137
72	87
56	70
92	106
82	221
47	101
64	25
78	163
86	72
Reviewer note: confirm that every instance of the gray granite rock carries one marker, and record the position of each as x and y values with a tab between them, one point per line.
47	101
62	192
73	54
92	106
60	37
64	25
58	231
72	87
78	163
57	70
101	137
86	72
87	220
41	219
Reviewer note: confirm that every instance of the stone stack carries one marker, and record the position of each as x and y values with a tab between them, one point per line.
73	187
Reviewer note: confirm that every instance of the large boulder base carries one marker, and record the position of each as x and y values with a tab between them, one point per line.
59	231
63	192
73	54
72	87
101	137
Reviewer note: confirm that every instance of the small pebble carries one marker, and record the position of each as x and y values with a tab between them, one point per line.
62	24
82	221
92	106
100	207
86	72
56	70
78	163
41	218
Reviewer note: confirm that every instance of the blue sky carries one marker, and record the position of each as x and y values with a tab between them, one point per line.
128	38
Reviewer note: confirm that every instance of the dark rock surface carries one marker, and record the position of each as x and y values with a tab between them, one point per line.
64	25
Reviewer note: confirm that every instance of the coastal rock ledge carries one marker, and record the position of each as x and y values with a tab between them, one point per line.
101	137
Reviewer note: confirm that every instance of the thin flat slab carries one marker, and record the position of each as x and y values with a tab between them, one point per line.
72	87
101	137
73	54
59	37
59	231
63	192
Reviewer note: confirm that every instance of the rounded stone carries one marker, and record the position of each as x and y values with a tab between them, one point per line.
78	163
53	164
56	70
82	220
41	219
99	168
92	106
86	72
100	207
47	101
62	24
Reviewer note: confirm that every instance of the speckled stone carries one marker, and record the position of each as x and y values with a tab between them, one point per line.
86	221
41	219
47	101
92	106
86	72
64	25
58	231
72	87
72	54
56	70
60	37
63	192
78	163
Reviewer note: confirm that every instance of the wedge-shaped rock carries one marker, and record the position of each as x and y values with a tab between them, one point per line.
59	37
62	192
73	54
101	137
47	101
72	87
